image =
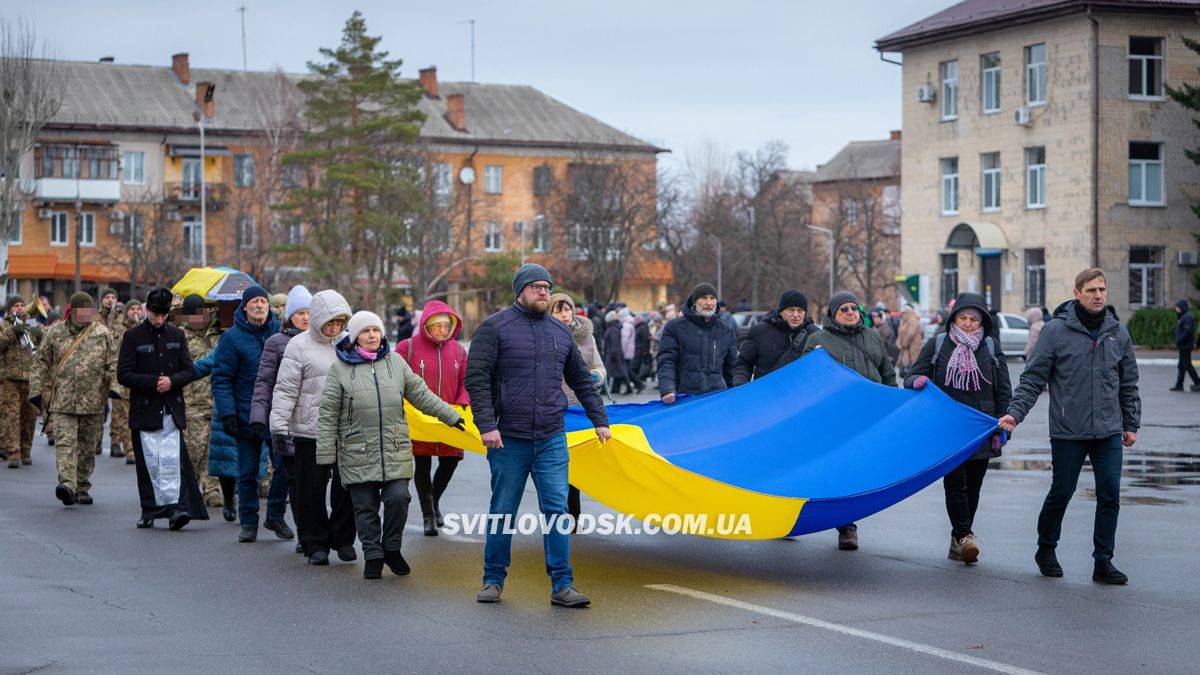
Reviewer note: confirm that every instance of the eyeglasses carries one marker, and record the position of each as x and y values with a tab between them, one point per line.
440	325
541	288
848	309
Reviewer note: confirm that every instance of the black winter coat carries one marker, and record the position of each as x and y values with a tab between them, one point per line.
1185	327
995	391
614	356
146	354
696	355
515	371
641	340
769	345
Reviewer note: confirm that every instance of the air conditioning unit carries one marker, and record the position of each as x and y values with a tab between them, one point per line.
1021	117
174	216
1187	258
45	214
926	93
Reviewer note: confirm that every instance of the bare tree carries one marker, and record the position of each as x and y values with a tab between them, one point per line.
31	93
150	246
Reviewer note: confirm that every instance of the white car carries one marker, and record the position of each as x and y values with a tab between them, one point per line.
1014	334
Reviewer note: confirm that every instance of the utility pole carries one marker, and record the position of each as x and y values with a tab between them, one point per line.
829	232
472	22
242	10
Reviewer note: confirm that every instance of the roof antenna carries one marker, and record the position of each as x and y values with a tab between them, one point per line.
242	10
472	22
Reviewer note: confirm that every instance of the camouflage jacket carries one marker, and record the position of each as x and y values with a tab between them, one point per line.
114	320
197	396
16	352
85	379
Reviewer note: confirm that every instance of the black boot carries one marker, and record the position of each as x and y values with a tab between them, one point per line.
396	563
429	520
1047	562
1105	573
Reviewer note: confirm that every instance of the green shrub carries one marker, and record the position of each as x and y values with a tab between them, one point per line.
1153	327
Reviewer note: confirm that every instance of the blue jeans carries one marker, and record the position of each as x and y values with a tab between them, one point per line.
511	467
250	452
1068	456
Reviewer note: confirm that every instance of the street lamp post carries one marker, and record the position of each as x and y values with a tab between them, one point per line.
203	199
829	232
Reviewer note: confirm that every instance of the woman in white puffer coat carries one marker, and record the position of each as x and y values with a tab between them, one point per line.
295	406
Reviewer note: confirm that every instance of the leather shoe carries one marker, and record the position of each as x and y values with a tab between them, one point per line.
396	563
569	597
347	554
280	529
178	520
319	558
1047	562
248	535
64	494
430	522
848	540
84	498
489	593
229	513
145	523
1105	573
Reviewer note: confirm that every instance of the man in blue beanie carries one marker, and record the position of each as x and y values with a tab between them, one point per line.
532	354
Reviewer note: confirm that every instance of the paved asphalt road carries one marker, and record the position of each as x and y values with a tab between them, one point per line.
84	591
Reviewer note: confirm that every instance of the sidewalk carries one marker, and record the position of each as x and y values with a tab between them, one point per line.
1160	357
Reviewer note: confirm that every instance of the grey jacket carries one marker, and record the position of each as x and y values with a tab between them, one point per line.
856	347
1093	383
300	380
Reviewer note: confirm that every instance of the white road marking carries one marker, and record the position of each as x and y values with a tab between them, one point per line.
845	630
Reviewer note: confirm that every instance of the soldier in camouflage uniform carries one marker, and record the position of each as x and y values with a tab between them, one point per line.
72	385
17	415
203	332
112	315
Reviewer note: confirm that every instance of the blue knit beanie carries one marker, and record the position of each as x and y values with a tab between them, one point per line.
529	273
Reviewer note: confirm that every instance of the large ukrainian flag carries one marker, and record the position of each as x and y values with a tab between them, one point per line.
810	447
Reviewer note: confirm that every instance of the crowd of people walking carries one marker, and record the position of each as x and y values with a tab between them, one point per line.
301	401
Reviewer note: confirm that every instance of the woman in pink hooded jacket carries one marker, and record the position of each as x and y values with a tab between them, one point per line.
433	352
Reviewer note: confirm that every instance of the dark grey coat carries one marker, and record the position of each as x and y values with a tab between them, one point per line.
1093	383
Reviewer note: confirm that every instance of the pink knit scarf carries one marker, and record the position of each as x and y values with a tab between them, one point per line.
963	369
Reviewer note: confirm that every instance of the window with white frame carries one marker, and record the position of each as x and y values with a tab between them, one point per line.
1145	276
87	228
989	83
1035	177
247	227
1035	277
443	184
1145	174
135	230
948	72
493	237
949	185
295	234
1035	74
1146	67
493	175
990	191
59	228
541	235
135	168
850	210
193	238
243	170
890	200
15	239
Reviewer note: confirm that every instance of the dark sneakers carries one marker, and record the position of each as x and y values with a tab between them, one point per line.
848	540
248	535
280	529
347	554
145	523
1047	562
319	557
64	494
1105	573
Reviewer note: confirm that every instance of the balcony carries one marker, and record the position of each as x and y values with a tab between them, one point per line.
69	173
187	194
86	190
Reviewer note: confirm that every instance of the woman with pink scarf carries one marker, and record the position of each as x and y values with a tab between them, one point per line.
970	368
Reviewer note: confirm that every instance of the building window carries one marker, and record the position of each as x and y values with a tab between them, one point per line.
989	85
243	170
1035	177
135	230
193	238
15	239
991	180
541	235
295	234
1035	74
1145	276
948	71
542	178
493	237
59	228
949	278
1035	277
492	179
890	200
135	168
1145	174
100	162
949	185
190	170
850	210
443	184
87	228
247	227
1145	67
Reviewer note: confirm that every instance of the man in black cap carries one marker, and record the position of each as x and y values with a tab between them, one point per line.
155	365
775	341
697	351
846	339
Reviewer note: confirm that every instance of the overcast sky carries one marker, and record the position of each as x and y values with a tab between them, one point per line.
684	75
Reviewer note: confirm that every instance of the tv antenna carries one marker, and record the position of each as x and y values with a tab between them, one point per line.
472	22
242	10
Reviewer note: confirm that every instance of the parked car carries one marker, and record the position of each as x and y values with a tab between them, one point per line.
1014	334
745	320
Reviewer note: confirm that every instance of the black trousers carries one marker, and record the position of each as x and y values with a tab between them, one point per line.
1186	368
429	491
289	465
367	497
320	530
962	487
